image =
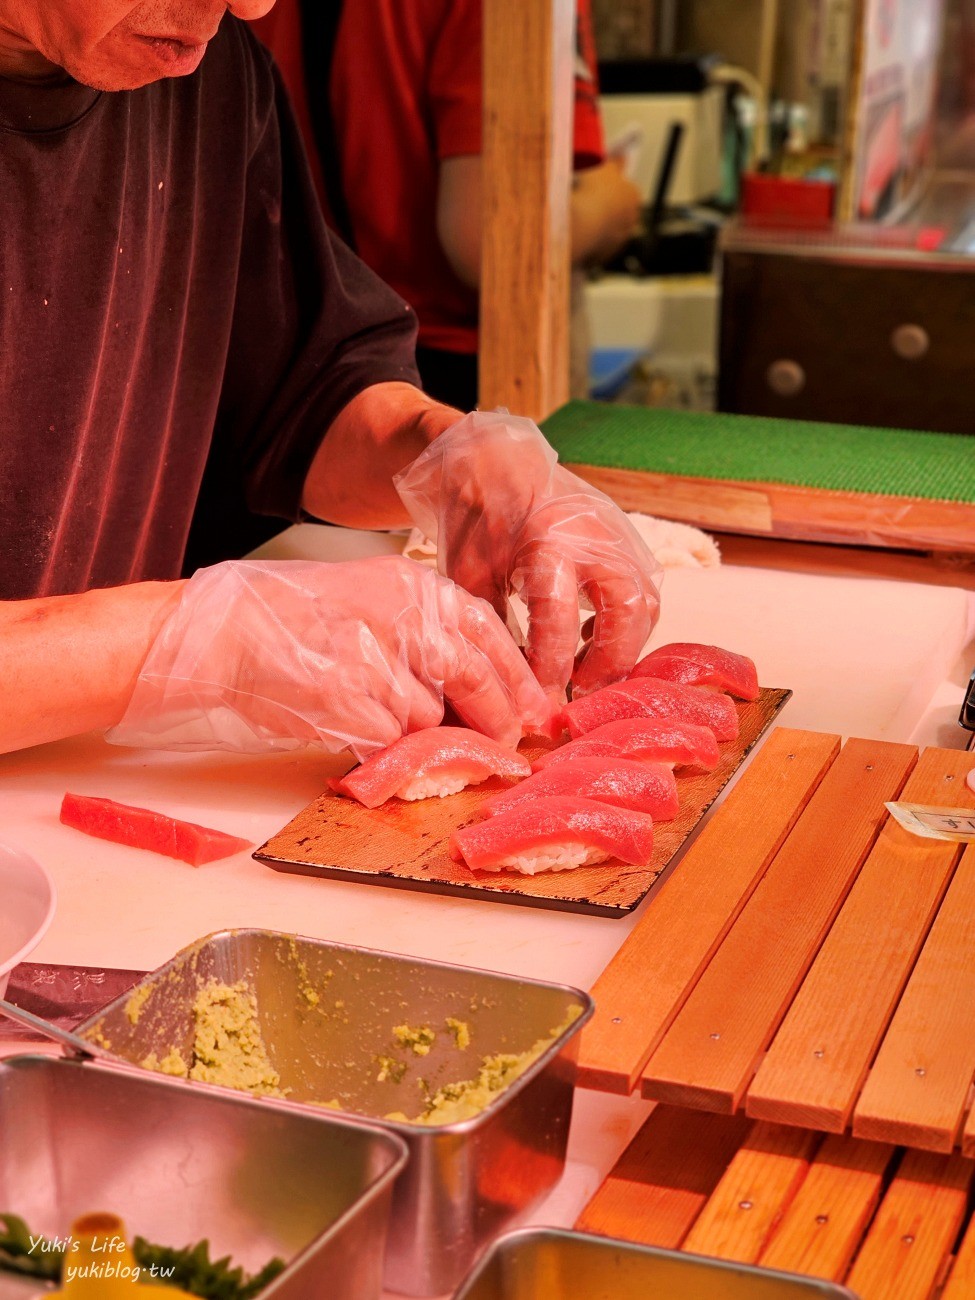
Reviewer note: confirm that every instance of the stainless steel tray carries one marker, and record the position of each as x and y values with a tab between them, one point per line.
556	1265
327	1014
178	1164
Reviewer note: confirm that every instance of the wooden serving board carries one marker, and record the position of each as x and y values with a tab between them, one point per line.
406	844
889	1223
812	963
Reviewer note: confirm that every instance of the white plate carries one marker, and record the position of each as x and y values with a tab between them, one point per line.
28	898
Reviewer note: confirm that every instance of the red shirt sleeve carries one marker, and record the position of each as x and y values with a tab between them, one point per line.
455	80
455	85
588	145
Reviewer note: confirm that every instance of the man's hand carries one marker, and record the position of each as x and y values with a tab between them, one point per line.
506	517
605	211
263	656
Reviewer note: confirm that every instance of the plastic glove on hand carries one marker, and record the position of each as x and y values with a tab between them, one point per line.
263	655
508	518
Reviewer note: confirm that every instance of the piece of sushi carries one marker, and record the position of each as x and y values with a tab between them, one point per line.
431	763
554	834
649	697
141	828
644	787
654	740
694	664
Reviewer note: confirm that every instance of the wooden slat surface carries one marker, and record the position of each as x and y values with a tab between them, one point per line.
819	1059
961	1279
695	908
664	1178
918	1086
709	1054
784	510
878	1219
751	1198
968	1136
905	1252
822	1228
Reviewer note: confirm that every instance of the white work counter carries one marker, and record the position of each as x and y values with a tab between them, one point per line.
865	657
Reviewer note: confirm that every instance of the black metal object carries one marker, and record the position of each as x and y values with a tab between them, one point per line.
688	74
966	717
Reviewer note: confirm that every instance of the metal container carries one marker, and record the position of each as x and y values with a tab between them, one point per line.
178	1164
574	1266
328	1014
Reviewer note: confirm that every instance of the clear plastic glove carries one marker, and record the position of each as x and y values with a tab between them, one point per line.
264	655
507	517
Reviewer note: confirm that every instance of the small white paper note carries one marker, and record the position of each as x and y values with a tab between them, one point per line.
932	823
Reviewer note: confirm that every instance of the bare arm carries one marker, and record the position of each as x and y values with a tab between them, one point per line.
380	432
68	664
604	212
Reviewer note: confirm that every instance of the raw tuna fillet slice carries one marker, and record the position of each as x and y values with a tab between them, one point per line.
681	744
554	834
701	665
648	697
644	787
434	762
143	829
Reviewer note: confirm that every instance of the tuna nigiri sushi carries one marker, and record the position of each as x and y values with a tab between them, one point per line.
678	744
648	697
694	664
434	762
554	834
645	787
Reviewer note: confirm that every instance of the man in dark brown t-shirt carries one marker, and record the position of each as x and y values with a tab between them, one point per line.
179	332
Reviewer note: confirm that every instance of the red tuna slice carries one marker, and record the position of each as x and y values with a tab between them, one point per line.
682	744
143	829
644	787
693	664
648	697
435	761
554	834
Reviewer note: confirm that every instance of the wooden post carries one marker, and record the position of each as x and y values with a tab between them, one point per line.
766	46
527	149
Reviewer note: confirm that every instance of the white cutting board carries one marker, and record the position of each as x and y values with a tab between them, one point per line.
863	656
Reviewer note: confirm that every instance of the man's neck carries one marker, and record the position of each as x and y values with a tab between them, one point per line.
20	61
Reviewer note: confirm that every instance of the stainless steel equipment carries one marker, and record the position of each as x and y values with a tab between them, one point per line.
573	1266
327	1015
55	1033
178	1164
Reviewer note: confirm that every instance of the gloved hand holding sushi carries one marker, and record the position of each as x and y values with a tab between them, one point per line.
507	517
264	655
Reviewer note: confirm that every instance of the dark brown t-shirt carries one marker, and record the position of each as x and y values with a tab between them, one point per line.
168	292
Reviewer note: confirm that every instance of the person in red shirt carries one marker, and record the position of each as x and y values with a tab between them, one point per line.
394	88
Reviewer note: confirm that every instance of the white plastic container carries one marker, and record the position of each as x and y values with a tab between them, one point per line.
28	899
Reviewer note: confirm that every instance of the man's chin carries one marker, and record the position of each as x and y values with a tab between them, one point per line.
134	73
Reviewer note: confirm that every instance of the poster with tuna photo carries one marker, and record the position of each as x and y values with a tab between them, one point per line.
893	107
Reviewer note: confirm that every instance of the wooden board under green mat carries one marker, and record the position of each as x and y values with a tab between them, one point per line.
781	478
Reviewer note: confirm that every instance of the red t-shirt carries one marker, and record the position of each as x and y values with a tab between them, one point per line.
406	94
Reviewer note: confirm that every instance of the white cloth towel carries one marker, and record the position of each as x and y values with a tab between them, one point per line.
676	546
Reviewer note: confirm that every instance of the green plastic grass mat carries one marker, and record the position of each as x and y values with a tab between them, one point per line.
837	457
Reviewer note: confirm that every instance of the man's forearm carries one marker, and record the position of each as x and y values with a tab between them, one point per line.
379	433
68	664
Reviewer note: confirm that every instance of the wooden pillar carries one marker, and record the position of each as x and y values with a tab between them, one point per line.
527	151
766	46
